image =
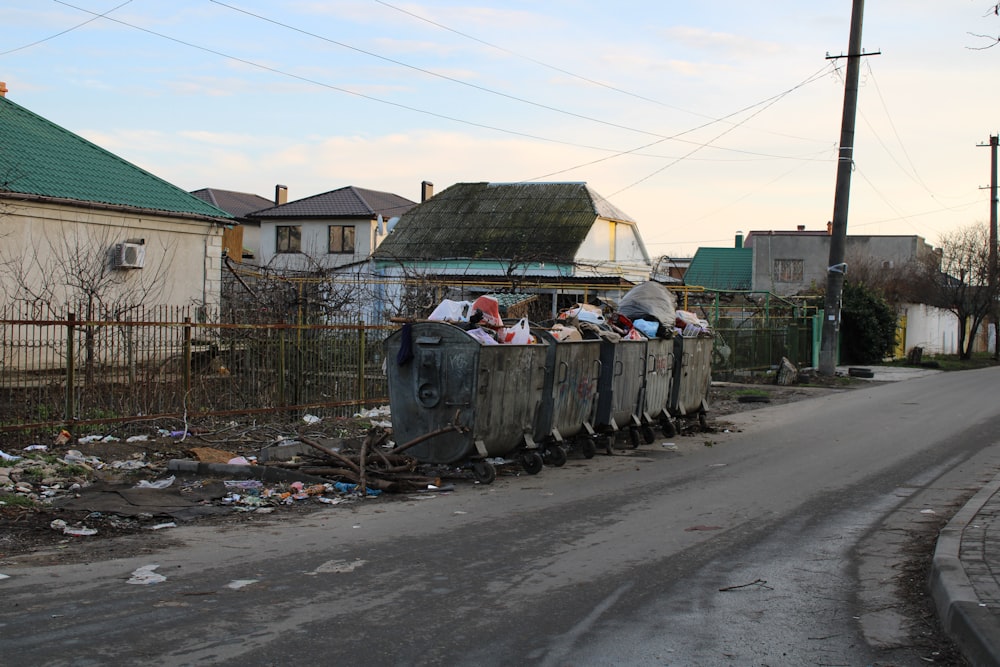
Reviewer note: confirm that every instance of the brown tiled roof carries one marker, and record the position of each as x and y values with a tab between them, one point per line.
237	204
347	202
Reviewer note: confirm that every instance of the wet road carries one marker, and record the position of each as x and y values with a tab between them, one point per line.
732	549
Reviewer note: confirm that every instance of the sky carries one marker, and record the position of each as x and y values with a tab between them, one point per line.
699	120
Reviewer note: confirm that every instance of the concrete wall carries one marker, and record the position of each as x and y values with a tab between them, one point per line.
933	329
812	253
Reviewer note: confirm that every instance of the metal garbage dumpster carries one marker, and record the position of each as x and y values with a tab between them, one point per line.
692	378
569	396
440	377
620	390
658	385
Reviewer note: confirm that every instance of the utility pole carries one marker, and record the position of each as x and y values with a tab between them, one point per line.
993	245
838	234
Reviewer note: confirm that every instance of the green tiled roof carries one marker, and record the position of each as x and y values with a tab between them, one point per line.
37	157
727	269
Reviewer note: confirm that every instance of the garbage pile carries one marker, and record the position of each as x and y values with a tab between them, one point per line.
648	310
481	319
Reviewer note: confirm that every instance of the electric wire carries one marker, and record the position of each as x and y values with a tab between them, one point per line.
574	75
399	105
63	32
422	70
698	146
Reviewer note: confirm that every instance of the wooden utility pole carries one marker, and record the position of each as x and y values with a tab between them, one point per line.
993	245
838	234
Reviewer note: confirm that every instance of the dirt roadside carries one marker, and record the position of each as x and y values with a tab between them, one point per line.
85	511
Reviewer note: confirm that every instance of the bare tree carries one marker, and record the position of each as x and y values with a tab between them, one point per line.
958	280
991	40
75	270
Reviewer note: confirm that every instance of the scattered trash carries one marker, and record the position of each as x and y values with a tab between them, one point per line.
62	438
87	439
76	456
61	526
158	484
8	457
161	526
4	576
928	512
459	512
345	487
338	567
311	419
137	438
237	584
238	461
670	446
145	575
36	448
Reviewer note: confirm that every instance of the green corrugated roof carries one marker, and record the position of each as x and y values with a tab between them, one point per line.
37	157
721	269
541	221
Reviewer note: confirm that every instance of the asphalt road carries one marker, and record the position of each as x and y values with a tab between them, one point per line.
775	545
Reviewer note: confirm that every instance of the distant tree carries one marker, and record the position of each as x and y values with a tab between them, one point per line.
958	280
868	324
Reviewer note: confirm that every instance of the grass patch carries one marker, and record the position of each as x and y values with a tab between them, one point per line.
750	392
10	500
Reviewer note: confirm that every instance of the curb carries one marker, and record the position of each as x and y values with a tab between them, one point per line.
973	627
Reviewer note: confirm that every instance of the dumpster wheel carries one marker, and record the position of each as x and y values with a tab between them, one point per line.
532	462
647	434
484	472
587	447
555	455
703	420
667	426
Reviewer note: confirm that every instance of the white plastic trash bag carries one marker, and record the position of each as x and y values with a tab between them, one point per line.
452	311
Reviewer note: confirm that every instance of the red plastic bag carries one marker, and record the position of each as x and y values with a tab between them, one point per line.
490	308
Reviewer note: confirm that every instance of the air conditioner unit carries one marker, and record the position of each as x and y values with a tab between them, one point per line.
128	255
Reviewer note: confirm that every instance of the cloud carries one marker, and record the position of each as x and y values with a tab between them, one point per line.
729	43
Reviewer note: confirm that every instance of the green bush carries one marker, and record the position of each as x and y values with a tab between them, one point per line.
867	327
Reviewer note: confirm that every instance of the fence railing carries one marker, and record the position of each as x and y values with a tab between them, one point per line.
165	363
57	368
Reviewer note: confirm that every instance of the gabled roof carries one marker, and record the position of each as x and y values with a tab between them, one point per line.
41	159
347	202
728	269
237	204
548	221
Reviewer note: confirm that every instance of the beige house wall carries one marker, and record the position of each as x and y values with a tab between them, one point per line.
44	245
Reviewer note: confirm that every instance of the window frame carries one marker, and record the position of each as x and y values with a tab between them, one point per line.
345	231
788	270
292	237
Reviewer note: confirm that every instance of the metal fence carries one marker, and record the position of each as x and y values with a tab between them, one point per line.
173	362
59	368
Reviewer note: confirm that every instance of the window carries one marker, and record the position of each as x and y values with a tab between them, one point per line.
289	238
341	239
788	270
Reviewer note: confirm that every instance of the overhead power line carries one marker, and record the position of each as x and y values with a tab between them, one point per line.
427	112
63	32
